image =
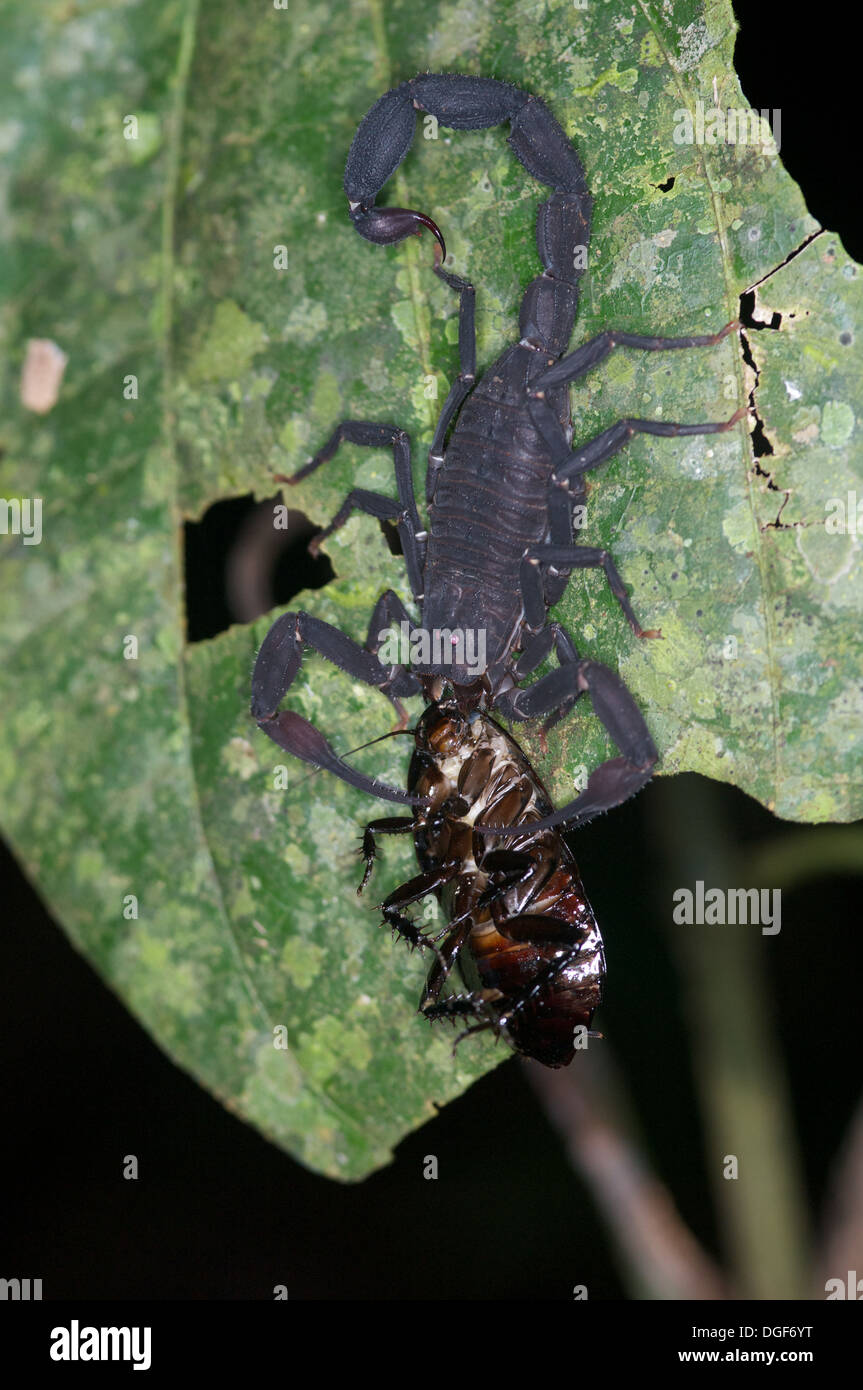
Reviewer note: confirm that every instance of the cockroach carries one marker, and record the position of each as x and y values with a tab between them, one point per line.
519	928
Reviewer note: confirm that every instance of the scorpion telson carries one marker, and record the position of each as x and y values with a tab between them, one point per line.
498	550
519	927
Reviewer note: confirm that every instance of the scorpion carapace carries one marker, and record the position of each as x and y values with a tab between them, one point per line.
498	548
519	927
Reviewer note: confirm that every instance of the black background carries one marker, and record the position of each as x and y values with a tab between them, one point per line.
220	1213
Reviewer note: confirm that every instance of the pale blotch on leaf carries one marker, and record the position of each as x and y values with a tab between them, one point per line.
301	961
294	439
90	866
231	343
42	375
240	758
837	422
306	323
625	79
242	903
650	52
326	404
826	556
693	43
738	527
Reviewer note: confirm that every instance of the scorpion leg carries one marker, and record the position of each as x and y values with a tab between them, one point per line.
389	612
561	505
571	557
570	463
590	354
375	436
276	668
614	780
545	569
466	379
536	649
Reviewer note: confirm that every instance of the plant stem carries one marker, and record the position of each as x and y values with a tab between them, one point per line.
660	1256
741	1080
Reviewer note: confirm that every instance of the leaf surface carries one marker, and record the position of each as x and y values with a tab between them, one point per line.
155	258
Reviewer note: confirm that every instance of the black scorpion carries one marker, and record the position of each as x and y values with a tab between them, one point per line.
498	550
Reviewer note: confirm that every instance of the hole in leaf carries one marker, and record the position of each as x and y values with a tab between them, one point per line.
747	314
391	536
239	565
760	443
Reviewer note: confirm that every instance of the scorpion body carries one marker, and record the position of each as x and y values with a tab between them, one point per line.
498	549
519	927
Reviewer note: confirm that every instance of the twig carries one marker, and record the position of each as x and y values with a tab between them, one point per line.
662	1257
742	1083
841	1246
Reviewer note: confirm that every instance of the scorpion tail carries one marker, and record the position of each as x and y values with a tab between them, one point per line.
379	146
538	141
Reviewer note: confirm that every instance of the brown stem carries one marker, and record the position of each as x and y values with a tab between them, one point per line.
841	1247
662	1258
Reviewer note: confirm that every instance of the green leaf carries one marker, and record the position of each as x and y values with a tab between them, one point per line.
197	369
